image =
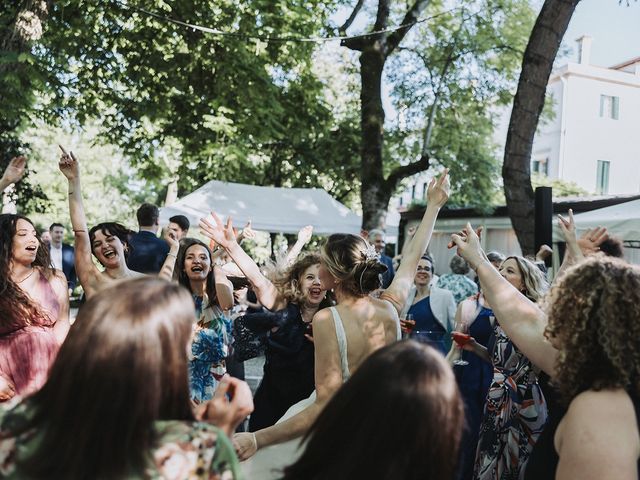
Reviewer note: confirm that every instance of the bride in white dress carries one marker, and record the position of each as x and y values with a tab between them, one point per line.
344	336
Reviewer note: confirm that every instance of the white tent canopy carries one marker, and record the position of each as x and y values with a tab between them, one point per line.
622	220
272	209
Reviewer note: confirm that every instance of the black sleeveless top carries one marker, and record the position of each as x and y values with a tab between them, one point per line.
543	460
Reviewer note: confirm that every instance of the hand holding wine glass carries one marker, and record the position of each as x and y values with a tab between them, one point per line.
461	337
407	324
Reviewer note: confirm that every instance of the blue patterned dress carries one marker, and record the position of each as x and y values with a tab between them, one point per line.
514	415
211	339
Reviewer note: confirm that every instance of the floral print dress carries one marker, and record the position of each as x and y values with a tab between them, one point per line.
210	344
184	450
514	415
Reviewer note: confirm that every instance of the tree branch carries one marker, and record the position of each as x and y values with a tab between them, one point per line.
352	17
404	171
409	20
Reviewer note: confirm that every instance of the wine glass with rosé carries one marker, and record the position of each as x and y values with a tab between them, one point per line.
407	324
461	337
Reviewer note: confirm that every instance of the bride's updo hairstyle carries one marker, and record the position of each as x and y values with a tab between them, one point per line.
352	261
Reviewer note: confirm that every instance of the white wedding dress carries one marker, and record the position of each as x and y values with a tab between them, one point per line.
268	463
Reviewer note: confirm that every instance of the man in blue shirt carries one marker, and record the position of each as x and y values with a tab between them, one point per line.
148	252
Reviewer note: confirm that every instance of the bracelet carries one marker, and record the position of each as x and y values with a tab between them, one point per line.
172	255
79	231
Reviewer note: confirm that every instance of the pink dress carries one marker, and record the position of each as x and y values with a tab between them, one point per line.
27	351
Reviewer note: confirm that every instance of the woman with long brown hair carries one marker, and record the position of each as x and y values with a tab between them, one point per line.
212	295
108	241
399	416
116	404
34	306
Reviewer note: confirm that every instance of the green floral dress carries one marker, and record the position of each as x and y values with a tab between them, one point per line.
185	451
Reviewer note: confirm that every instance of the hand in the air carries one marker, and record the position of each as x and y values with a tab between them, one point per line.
220	233
15	170
68	164
438	190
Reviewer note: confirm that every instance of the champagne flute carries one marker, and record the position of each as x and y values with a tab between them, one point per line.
461	337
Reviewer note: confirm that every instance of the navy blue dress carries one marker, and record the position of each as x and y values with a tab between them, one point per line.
474	381
426	322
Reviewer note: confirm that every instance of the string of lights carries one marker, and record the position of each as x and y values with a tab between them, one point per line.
269	38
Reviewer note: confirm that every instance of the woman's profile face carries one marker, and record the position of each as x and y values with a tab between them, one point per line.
310	285
511	273
424	273
197	262
108	249
327	282
25	243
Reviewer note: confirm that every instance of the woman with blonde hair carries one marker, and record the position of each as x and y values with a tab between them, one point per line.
515	409
585	336
344	335
116	404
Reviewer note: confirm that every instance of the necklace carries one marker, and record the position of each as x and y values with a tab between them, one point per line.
30	273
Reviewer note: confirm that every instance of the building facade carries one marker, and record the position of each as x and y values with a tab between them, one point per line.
593	139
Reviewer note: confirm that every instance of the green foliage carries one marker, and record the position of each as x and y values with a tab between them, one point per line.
108	189
561	188
462	63
223	107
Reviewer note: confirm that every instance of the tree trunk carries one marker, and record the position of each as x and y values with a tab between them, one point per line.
375	190
537	63
372	188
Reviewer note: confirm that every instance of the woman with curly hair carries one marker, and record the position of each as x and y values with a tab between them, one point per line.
108	241
344	335
287	336
586	338
34	306
292	299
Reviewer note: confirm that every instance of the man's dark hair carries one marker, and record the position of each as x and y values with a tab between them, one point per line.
54	225
181	221
612	247
147	215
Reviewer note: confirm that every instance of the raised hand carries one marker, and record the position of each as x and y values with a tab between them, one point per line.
463	234
438	190
220	233
248	232
15	170
171	239
68	164
227	413
590	241
304	235
469	246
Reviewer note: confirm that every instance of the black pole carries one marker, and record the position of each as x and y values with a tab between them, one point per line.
544	219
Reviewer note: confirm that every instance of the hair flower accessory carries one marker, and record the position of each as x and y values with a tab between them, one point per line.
370	253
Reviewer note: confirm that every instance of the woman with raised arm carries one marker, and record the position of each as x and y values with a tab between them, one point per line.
212	295
586	339
345	335
108	241
34	306
293	298
116	404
